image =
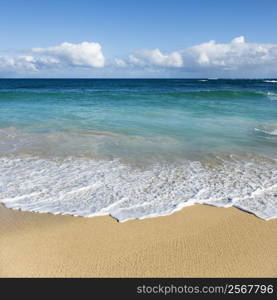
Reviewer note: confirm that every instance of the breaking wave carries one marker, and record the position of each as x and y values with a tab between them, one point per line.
88	187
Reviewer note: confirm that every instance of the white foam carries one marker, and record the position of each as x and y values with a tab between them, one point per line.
269	132
271	81
86	187
272	96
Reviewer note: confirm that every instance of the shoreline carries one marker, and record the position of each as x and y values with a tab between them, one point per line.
110	187
197	241
152	216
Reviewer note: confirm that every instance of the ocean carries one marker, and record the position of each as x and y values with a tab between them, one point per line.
138	148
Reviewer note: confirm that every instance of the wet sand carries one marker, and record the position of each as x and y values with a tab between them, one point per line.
199	241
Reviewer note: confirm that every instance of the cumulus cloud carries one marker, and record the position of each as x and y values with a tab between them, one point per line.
25	64
235	58
18	64
62	57
156	58
119	62
85	54
236	55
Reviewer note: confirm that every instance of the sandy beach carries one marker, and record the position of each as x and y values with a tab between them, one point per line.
199	241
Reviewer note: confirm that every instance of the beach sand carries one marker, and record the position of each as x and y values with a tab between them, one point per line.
199	241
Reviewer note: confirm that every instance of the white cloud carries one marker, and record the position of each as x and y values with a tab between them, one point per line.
156	58
25	64
238	40
236	55
18	64
237	58
85	54
119	62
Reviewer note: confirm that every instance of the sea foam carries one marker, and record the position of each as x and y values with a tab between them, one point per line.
88	187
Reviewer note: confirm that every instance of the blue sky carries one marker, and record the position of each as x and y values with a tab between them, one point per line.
123	28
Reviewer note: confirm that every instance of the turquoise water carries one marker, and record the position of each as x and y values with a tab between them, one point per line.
190	129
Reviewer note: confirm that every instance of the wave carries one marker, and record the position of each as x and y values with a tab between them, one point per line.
272	96
89	187
271	81
128	95
268	132
222	94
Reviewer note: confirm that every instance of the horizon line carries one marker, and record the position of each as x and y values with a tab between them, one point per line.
148	78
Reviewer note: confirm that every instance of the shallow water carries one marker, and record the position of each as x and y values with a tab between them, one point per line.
138	148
